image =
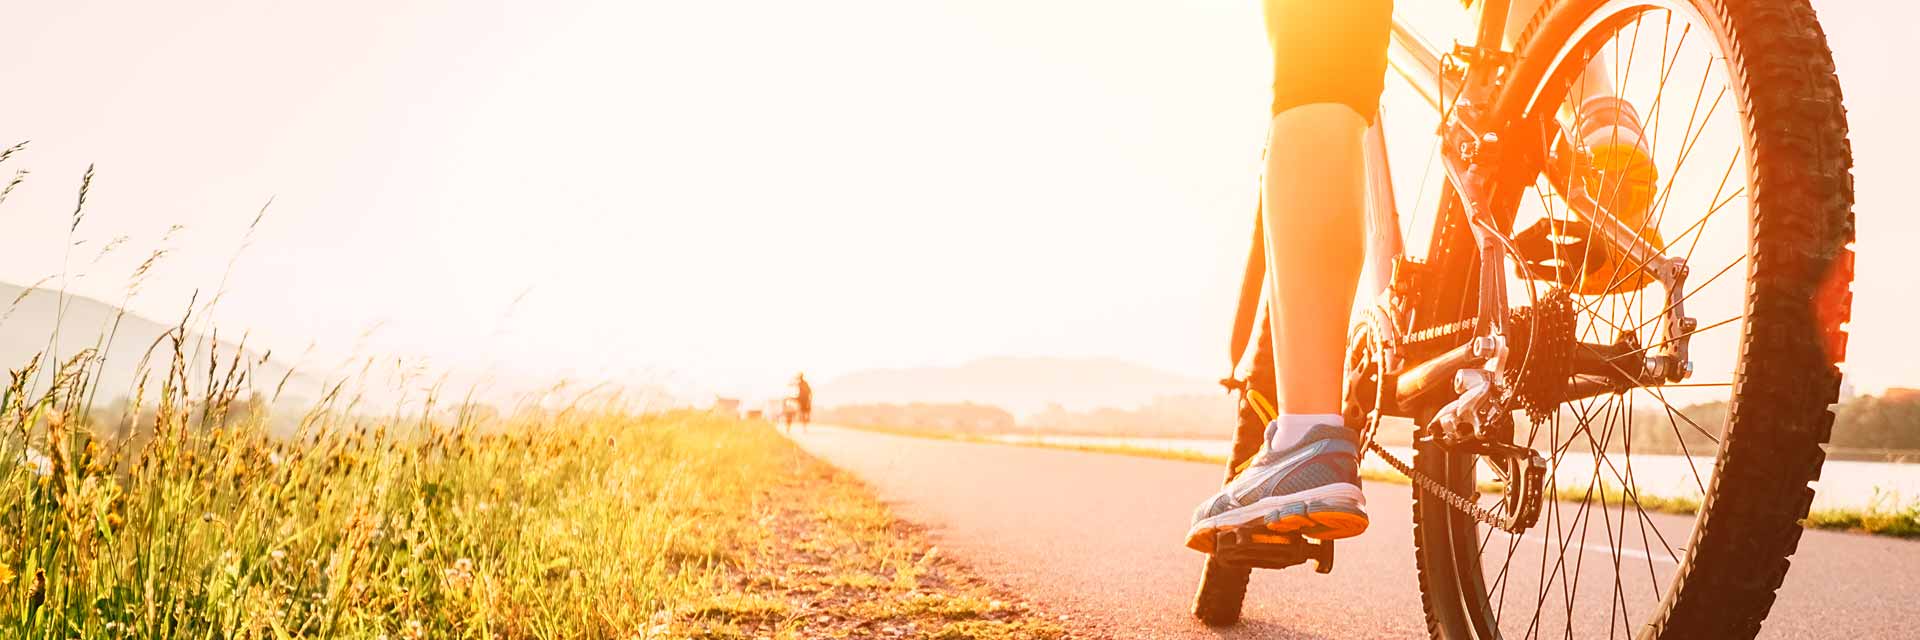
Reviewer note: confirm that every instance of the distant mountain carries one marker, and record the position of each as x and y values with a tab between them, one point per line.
1023	385
31	315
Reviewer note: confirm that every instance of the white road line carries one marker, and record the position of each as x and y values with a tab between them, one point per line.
1605	551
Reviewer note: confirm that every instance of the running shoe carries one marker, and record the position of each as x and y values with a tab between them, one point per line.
1305	481
1621	176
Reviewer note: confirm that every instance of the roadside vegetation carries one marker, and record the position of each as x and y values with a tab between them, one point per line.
581	521
1889	515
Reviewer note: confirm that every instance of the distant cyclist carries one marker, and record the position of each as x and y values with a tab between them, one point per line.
799	402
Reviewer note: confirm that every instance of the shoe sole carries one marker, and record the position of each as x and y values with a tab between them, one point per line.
1331	512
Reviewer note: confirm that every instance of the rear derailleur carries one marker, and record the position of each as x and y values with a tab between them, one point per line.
1524	474
1480	420
1479	423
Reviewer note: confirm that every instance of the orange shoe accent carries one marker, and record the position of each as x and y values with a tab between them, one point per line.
1622	177
1321	526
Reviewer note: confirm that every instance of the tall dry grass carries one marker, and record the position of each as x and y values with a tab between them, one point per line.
197	523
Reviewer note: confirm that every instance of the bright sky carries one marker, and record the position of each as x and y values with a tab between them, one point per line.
716	192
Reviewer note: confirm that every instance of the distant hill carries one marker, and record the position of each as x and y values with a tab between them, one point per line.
1022	385
30	316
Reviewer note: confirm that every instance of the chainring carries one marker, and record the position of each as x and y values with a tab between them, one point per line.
1363	382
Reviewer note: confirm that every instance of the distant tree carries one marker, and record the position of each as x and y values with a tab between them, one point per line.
961	417
1889	421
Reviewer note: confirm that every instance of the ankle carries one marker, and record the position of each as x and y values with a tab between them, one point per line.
1288	429
1606	120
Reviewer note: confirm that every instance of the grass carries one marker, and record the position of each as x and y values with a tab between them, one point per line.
1126	450
1885	516
574	523
921	432
1119	449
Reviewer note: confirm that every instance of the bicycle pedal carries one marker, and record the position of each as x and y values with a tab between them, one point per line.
1256	548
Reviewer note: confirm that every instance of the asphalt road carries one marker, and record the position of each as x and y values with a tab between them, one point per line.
1097	537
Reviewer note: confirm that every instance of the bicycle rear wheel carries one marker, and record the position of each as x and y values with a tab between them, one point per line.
1672	509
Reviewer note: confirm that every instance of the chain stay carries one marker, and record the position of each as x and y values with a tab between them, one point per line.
1424	482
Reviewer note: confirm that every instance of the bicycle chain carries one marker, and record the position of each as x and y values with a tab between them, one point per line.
1434	487
1437	332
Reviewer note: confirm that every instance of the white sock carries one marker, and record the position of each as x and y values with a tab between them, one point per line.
1286	430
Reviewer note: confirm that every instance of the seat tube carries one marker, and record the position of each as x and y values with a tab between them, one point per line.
1493	23
1383	217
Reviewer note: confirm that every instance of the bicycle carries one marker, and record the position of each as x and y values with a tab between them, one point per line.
1539	523
789	410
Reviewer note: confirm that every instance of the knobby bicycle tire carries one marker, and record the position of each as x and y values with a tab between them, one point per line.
1797	298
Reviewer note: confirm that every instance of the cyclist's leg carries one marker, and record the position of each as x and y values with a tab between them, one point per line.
1256	401
1329	67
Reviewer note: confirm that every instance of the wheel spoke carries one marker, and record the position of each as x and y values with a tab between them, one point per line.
1685	452
1695	332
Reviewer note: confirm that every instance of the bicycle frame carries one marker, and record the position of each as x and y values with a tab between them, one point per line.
1471	152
